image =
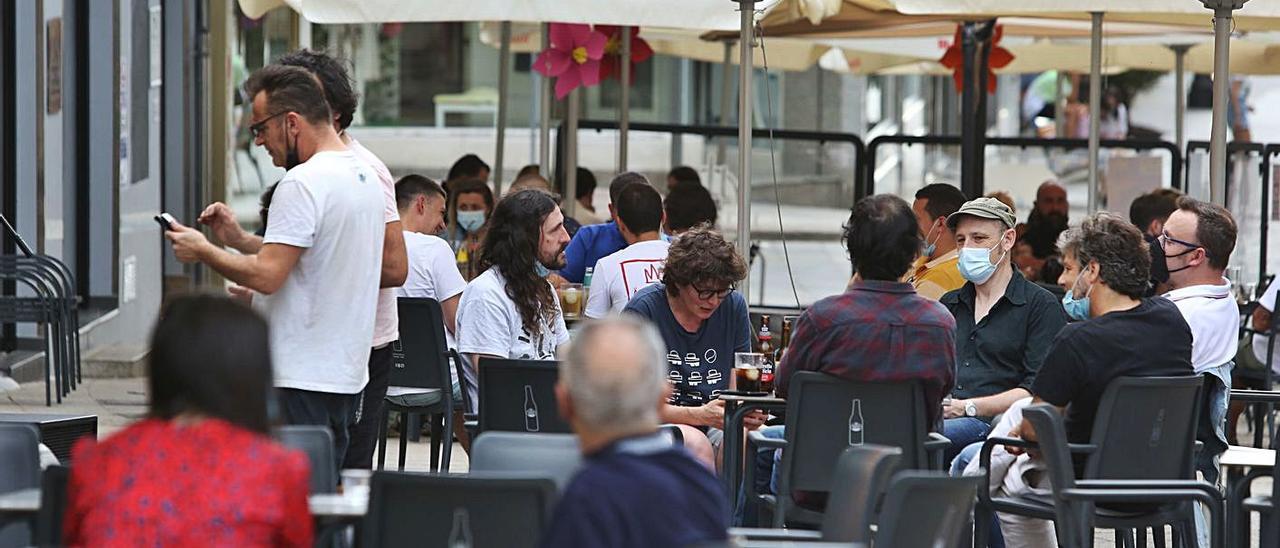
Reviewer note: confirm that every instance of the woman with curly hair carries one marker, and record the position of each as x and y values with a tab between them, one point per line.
510	310
704	322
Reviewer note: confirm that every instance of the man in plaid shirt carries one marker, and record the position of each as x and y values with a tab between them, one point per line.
879	329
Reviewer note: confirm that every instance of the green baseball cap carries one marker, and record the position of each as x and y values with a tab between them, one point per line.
984	208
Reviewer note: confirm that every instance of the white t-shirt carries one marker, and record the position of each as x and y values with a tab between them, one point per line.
1268	302
617	277
1214	317
386	325
322	317
433	274
489	323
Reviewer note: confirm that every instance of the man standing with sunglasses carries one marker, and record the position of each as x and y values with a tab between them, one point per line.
319	266
704	322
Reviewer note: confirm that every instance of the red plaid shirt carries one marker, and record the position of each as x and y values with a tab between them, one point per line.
876	331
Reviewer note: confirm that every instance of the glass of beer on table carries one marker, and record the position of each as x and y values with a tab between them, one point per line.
747	367
572	299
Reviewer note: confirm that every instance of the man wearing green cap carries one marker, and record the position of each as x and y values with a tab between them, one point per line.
1004	323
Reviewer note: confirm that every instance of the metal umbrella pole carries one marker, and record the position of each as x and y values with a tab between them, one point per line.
504	68
745	42
975	40
1095	106
568	203
1221	87
726	72
624	99
1180	88
544	112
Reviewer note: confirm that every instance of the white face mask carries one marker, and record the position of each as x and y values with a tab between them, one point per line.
470	221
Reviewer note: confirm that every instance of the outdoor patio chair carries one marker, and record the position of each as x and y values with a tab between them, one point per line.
421	360
443	511
317	443
53	505
20	456
555	456
519	396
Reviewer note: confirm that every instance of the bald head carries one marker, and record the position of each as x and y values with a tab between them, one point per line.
1051	197
614	377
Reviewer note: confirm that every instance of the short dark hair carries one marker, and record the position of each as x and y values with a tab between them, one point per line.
1124	260
530	169
468	166
941	199
192	369
290	89
685	174
1215	229
639	207
586	183
882	237
1157	204
702	255
688	206
409	187
334	79
621	180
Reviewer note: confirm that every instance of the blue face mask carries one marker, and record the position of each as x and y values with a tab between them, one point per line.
1077	309
541	270
931	246
975	263
471	221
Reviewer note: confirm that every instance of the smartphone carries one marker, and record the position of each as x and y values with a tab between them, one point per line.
166	221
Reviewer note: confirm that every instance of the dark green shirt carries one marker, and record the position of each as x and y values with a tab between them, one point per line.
1003	351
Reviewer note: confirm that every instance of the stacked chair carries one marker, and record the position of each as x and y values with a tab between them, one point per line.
44	294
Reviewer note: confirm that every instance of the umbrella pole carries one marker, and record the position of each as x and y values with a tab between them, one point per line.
745	71
1095	106
975	40
624	99
1221	87
504	67
570	171
544	111
726	72
1180	88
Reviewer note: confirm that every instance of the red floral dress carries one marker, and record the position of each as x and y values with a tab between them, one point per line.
156	483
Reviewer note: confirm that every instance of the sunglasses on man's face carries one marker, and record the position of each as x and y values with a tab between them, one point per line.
256	129
707	294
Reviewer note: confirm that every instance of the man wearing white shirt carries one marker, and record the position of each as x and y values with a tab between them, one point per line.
510	310
617	277
319	265
1197	241
433	273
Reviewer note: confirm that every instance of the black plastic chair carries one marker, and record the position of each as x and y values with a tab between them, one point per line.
51	303
820	410
554	456
1263	412
858	483
1073	502
53	505
925	509
1145	429
430	510
519	396
421	360
317	443
1239	507
20	456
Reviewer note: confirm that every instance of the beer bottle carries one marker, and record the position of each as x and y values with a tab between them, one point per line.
786	339
764	345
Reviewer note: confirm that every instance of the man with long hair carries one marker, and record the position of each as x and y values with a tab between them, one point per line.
510	310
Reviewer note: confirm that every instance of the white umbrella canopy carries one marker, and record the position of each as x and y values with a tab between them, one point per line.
702	15
1255	15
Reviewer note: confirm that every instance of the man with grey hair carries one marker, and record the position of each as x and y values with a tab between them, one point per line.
636	487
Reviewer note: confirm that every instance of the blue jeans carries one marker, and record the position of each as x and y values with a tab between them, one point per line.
963	431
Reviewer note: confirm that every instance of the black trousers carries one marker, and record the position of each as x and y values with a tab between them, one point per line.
364	431
336	411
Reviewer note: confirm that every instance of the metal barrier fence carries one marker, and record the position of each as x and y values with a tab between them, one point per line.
1238	151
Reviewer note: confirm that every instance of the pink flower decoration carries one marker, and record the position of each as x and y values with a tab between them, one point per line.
610	65
573	58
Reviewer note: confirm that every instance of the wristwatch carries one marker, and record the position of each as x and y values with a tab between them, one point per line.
970	409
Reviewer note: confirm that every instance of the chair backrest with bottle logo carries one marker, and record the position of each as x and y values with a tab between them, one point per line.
420	358
827	414
422	510
519	396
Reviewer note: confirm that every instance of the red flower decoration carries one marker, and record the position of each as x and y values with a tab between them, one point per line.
573	58
640	52
998	57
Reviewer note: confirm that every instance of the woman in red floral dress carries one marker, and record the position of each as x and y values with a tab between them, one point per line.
200	470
